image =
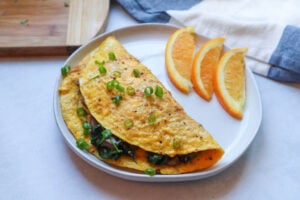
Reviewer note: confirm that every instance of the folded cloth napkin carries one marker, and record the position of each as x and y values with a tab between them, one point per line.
270	29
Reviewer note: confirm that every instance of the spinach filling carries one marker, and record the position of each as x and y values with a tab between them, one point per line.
159	159
108	145
111	147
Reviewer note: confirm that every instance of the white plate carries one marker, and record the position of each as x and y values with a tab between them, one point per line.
147	43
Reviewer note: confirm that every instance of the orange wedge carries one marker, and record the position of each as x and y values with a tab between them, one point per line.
179	55
230	82
204	65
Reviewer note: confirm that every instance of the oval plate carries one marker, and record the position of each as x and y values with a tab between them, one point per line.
147	43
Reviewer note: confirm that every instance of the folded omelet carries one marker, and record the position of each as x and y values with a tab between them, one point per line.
129	119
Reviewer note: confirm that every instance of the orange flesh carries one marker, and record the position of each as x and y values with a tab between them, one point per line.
235	77
182	54
208	64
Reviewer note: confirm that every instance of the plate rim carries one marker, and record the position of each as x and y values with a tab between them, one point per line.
117	172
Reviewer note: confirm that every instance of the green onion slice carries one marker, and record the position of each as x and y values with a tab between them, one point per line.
176	143
82	144
65	69
109	85
117	74
86	127
102	70
159	91
99	63
115	83
120	88
148	91
111	56
128	123
151	118
150	171
81	112
112	84
130	90
136	73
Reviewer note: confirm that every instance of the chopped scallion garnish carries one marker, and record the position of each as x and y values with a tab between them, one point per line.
81	112
128	123
159	91
82	144
65	69
150	171
117	74
96	76
148	91
87	127
102	70
111	56
176	143
136	73
99	63
151	118
109	85
115	83
120	88
130	90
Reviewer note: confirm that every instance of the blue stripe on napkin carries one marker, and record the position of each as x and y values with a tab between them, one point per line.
280	74
154	10
285	60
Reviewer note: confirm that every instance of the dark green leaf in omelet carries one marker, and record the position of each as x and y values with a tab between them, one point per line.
105	135
157	159
127	149
117	99
96	135
107	153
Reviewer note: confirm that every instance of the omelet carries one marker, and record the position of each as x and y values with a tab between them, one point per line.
71	101
129	119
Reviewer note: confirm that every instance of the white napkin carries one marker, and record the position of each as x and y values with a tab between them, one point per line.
269	29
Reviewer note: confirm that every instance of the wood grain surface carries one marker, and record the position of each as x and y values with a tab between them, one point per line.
49	27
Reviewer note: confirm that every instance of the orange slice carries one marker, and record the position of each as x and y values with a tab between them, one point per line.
230	82
179	55
204	65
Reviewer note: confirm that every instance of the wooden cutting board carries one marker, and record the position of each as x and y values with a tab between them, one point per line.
49	27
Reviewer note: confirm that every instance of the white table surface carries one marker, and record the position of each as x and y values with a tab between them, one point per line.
36	163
